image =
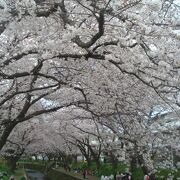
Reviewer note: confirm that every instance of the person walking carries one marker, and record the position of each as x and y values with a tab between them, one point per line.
85	174
130	177
146	177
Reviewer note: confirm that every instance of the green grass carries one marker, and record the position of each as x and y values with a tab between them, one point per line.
4	168
165	172
138	174
122	167
32	161
106	169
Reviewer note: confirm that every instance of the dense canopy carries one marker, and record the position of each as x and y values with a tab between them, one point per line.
90	73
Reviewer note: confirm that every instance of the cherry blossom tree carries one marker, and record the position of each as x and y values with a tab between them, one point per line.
117	60
17	143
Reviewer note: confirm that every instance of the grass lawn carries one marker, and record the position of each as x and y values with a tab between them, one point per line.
106	169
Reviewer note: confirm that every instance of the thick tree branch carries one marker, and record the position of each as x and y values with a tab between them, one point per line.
97	36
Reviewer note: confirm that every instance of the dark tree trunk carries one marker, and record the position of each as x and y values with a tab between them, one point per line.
114	161
98	164
75	158
152	176
8	129
89	162
49	159
36	157
133	164
11	162
96	159
145	168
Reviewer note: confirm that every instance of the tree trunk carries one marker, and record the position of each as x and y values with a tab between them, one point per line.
43	158
11	162
114	161
88	161
98	164
133	164
75	158
8	129
147	166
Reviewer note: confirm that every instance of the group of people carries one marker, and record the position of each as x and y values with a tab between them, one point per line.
118	176
76	170
107	177
67	168
122	176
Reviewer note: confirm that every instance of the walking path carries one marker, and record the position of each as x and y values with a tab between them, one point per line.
19	173
32	174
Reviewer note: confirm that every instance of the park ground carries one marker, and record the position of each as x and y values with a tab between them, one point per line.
105	169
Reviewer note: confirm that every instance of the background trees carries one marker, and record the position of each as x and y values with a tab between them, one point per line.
115	60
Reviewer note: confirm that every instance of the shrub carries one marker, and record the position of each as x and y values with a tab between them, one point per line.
4	168
23	178
166	172
106	170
